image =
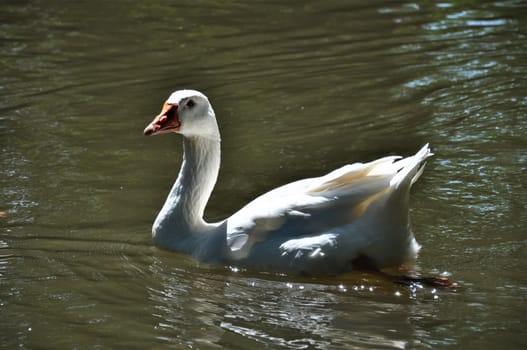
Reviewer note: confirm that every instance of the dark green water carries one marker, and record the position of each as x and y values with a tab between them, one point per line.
299	88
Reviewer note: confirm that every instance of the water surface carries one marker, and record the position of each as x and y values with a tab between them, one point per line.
299	88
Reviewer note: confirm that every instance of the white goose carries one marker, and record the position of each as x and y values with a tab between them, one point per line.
322	225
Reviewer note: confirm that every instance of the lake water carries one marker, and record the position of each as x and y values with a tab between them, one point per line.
299	88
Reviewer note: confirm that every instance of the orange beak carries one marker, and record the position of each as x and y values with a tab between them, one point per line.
165	122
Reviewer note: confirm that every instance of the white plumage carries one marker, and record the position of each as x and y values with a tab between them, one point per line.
319	225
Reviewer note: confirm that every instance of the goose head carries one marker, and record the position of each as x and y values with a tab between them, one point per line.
186	112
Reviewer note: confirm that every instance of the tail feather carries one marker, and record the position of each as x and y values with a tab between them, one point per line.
412	168
395	243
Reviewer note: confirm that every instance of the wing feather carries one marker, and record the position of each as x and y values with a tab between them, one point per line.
303	207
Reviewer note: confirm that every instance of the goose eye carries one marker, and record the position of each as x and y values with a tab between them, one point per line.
191	103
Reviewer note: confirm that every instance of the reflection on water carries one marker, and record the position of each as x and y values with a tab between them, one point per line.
294	313
299	89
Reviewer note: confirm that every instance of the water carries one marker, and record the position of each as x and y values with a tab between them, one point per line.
300	89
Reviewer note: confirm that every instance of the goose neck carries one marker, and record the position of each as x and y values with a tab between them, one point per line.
182	213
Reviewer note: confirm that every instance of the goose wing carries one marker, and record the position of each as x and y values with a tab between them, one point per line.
310	206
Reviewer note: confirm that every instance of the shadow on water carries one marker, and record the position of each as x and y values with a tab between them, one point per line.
247	308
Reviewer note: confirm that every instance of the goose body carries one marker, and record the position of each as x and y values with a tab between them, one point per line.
321	225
